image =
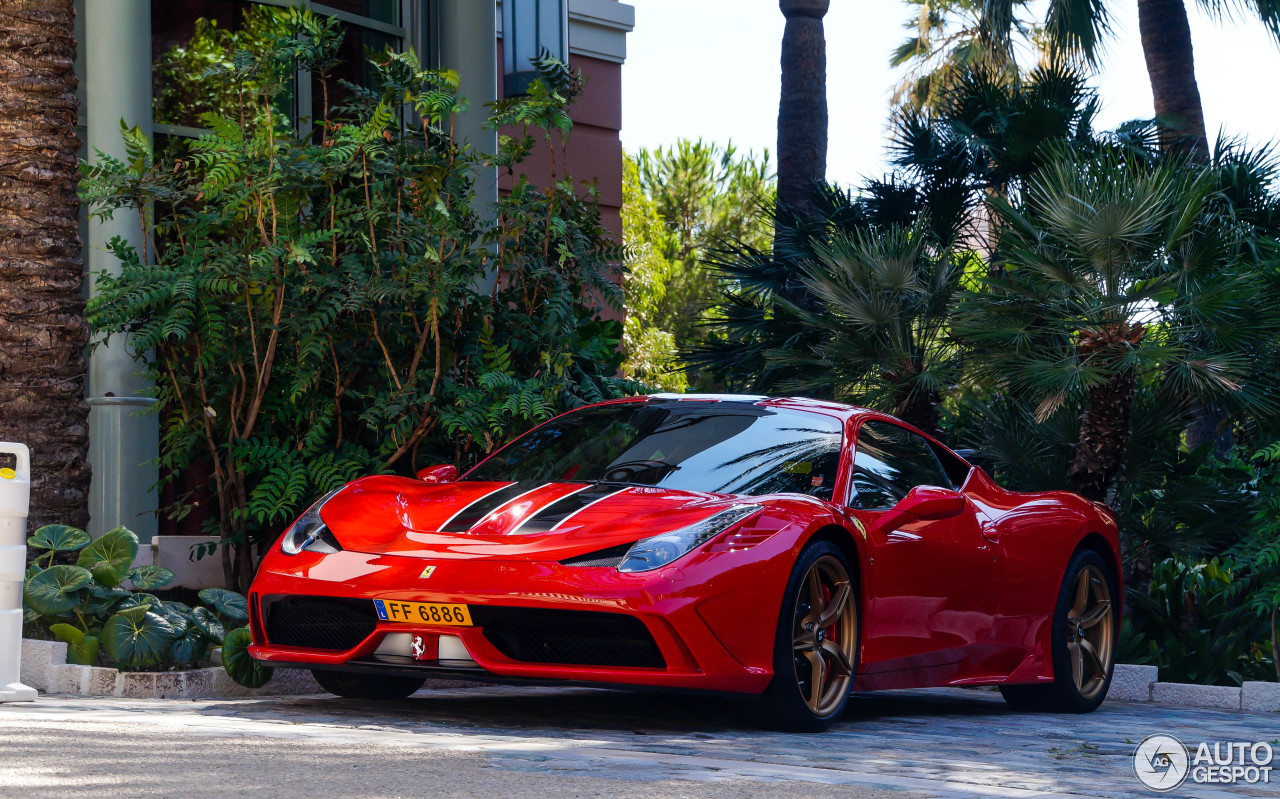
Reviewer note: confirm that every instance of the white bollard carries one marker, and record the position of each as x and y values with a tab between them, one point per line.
15	502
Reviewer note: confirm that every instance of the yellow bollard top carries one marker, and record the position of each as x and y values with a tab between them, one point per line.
7	474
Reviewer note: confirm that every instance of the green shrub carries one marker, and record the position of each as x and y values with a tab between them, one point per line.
1191	628
99	606
316	305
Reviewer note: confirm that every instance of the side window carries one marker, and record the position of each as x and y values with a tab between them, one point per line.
889	461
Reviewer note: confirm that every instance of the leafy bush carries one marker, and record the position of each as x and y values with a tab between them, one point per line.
322	304
100	606
679	204
1191	629
1256	556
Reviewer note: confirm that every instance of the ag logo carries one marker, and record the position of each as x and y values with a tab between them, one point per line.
427	572
862	528
419	647
1161	762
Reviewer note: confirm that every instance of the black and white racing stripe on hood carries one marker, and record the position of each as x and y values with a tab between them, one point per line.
468	517
544	520
559	511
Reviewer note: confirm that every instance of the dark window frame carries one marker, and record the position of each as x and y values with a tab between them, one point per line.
851	493
417	26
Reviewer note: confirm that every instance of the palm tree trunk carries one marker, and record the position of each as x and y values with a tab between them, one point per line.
1166	43
1107	422
1208	424
1104	436
802	111
918	409
42	327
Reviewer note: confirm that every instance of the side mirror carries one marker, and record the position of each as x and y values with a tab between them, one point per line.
923	503
446	473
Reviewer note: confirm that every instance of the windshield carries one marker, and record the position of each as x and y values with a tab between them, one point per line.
718	447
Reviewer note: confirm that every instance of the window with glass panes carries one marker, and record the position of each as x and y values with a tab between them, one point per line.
189	37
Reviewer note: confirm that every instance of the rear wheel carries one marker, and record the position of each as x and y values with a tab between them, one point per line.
1085	628
366	686
816	645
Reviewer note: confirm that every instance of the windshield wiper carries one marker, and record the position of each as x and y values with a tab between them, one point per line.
623	483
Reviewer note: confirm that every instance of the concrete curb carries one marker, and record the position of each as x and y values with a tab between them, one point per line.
45	668
1141	684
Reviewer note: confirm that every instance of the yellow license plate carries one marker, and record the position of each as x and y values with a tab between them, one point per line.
423	612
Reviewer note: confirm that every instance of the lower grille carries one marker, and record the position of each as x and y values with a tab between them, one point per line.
569	637
318	622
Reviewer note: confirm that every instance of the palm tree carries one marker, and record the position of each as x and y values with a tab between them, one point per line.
1120	272
1077	28
802	110
775	334
42	327
988	133
852	302
946	41
885	298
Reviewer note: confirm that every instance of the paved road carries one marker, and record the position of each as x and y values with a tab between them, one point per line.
489	741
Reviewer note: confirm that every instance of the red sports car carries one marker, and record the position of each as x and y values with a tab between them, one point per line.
788	548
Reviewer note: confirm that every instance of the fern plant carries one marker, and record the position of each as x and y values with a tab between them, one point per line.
1256	557
316	306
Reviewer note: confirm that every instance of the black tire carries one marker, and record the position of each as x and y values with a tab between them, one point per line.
1063	695
783	705
366	686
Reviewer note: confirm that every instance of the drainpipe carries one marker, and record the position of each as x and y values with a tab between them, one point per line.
468	45
123	432
15	501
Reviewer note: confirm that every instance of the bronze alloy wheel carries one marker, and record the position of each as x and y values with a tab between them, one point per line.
1090	632
825	635
1084	640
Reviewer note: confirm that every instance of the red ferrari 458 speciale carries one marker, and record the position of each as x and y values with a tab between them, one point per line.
792	549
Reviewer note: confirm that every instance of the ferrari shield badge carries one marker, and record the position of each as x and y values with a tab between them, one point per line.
430	570
862	528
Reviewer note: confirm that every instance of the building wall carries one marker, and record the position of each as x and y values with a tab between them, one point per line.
594	154
597	46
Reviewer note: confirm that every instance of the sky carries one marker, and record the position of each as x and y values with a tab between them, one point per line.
709	69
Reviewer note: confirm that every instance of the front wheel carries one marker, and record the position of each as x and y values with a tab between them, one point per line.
366	686
816	644
1085	628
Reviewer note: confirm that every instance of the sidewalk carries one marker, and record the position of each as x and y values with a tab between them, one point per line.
548	743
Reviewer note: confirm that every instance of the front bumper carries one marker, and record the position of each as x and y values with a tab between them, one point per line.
711	630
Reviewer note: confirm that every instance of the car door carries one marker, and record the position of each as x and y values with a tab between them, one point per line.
932	590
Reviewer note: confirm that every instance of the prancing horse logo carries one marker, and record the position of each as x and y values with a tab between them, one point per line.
427	572
419	647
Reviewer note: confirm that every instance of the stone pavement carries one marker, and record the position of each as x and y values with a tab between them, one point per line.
557	742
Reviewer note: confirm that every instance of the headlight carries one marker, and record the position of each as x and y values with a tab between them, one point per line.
658	551
309	533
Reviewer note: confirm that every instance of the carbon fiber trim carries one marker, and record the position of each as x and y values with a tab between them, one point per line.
610	557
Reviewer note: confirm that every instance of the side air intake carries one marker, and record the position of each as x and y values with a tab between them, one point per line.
318	622
570	637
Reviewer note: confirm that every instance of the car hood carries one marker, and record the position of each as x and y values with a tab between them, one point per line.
549	521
